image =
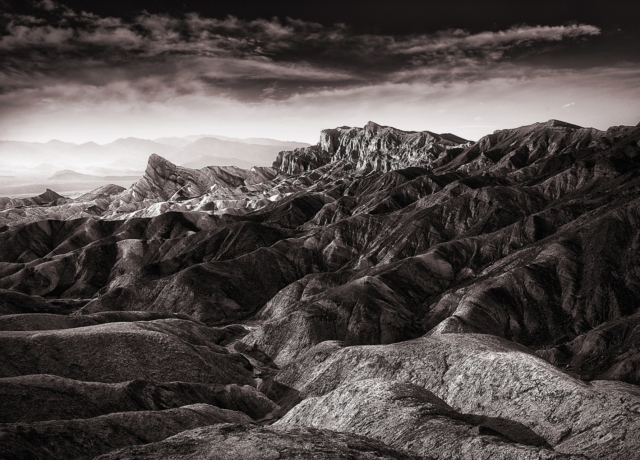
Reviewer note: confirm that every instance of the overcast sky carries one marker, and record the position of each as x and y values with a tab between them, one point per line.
77	71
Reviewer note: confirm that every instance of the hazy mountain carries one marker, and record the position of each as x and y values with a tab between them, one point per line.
264	141
255	154
56	144
259	141
68	175
208	160
177	142
28	164
195	137
15	152
45	168
135	151
382	294
141	147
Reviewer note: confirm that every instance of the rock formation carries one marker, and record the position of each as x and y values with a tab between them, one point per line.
408	417
48	198
88	438
372	148
382	294
228	442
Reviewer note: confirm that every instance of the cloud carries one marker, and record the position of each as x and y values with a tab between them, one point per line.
248	60
85	77
47	5
460	40
22	36
80	113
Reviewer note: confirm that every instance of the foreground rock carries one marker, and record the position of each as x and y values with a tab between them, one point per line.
50	321
411	418
485	376
231	442
162	350
76	439
33	398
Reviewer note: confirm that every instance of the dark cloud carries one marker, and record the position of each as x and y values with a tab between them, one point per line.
246	59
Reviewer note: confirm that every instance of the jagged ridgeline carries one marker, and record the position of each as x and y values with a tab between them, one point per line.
374	148
382	294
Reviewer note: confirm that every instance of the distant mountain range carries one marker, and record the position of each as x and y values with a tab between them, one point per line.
132	153
27	167
68	174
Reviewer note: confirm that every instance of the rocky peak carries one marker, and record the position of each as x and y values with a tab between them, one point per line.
163	177
165	181
372	129
48	196
511	150
542	138
159	166
371	148
174	187
329	139
560	124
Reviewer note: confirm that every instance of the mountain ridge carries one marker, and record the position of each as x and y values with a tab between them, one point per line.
410	293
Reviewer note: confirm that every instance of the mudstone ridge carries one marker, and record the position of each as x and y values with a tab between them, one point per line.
380	295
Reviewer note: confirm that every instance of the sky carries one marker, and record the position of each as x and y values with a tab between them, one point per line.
83	71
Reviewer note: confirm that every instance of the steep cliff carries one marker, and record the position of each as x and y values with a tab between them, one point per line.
372	148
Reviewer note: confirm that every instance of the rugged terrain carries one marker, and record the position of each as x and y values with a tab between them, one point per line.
382	294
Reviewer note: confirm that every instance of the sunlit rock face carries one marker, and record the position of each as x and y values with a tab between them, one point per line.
48	198
382	294
411	418
372	148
